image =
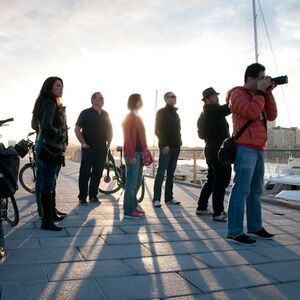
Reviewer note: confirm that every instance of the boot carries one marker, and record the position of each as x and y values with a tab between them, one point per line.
55	217
47	222
56	211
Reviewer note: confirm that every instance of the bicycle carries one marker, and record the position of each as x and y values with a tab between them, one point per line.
9	166
114	177
27	175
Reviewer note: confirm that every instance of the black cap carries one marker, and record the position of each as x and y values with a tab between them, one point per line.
209	92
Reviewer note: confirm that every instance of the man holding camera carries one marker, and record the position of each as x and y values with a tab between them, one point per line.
253	101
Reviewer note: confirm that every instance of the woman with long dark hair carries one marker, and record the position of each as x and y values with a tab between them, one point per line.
49	117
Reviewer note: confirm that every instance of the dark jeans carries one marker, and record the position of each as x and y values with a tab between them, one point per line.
90	173
167	162
218	179
38	180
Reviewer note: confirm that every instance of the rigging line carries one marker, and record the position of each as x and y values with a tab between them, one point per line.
274	60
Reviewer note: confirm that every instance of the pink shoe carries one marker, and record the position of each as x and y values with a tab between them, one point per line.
140	211
135	215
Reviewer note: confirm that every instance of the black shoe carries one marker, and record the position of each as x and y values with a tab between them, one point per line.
57	218
60	213
94	200
83	202
263	234
49	225
242	239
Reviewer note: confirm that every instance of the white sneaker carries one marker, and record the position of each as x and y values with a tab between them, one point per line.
221	218
173	201
156	203
206	212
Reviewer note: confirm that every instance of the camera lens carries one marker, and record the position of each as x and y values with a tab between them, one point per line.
280	80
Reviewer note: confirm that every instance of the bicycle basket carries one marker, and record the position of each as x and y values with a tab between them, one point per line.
9	168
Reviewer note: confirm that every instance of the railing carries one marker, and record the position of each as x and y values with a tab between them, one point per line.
191	167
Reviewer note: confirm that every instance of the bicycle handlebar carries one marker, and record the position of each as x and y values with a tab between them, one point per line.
2	122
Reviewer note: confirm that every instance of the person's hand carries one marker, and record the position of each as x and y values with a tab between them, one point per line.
264	84
166	150
132	161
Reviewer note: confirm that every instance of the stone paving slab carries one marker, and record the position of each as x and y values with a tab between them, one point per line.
26	243
22	273
147	286
280	253
86	270
187	247
231	258
226	278
42	255
68	290
281	271
284	291
98	230
132	238
114	252
178	236
74	241
161	264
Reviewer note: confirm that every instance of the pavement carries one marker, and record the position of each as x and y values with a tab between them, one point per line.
169	254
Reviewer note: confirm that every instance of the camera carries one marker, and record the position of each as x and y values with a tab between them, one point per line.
280	80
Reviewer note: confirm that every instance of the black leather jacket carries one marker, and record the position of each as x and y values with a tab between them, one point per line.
53	126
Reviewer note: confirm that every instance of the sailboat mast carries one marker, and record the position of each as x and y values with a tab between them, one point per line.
255	30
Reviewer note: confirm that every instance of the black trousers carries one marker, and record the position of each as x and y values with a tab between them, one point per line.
90	173
218	179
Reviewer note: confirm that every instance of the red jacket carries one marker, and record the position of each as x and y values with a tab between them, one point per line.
133	126
245	106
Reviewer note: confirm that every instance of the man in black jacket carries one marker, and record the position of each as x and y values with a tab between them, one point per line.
213	128
167	130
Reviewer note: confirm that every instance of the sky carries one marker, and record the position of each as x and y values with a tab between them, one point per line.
120	47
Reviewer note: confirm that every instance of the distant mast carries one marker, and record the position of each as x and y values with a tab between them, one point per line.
255	30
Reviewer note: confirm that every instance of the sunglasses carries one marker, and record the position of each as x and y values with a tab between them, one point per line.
172	97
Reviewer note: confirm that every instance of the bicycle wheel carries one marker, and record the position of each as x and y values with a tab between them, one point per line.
110	181
27	177
141	193
2	249
12	212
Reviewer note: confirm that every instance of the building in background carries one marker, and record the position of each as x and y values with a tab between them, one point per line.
283	138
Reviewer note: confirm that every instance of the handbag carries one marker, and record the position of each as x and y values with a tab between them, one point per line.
51	154
227	151
147	157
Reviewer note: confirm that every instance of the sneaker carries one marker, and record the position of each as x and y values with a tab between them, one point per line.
242	239
83	202
140	211
173	201
156	203
135	215
263	234
94	200
221	218
206	212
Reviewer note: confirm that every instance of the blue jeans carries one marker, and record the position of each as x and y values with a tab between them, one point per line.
247	187
167	162
134	175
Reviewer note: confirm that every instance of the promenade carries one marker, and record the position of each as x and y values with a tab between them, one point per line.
169	254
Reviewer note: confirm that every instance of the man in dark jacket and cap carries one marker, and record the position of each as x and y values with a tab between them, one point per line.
213	128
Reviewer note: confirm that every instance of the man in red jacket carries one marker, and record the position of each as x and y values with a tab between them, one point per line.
253	101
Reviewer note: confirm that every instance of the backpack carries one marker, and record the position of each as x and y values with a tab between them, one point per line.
9	169
201	126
